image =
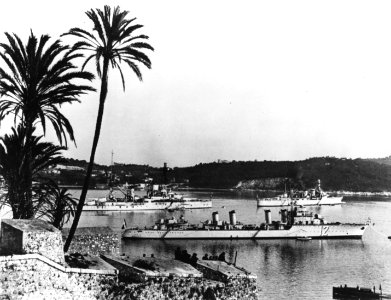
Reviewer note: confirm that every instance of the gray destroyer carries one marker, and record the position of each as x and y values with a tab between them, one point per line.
294	224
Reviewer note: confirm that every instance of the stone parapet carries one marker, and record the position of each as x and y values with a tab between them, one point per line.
31	236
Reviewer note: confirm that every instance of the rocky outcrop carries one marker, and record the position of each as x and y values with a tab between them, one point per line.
262	184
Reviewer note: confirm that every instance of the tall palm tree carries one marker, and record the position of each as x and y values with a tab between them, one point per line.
14	166
111	42
37	79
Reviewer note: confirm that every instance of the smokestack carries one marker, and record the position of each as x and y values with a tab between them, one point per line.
284	216
165	173
268	216
215	217
232	217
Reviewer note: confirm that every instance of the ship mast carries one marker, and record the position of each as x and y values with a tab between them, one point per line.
111	180
291	216
112	160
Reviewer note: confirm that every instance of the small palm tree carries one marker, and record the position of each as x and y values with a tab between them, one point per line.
36	80
55	204
14	168
111	42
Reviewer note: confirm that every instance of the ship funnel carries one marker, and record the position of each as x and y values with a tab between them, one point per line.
232	217
215	217
268	216
284	216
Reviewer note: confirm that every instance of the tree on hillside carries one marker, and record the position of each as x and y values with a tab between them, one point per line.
110	42
37	78
14	166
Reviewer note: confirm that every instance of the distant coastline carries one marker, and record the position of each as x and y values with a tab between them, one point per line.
347	193
339	193
336	174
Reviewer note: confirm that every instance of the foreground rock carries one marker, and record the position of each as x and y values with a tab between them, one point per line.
184	288
156	278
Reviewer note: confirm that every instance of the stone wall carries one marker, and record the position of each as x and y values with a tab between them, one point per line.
50	246
33	276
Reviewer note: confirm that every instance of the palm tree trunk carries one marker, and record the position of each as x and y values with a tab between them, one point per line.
80	205
26	209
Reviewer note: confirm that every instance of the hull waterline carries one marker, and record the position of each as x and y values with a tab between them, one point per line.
331	231
130	206
285	201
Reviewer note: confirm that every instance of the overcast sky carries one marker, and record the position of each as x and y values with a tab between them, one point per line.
235	80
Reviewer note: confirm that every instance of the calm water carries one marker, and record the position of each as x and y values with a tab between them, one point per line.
286	269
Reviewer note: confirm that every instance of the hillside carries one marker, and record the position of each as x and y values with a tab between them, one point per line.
383	161
336	174
369	175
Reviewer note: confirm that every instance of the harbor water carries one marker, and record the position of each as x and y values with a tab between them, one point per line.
286	269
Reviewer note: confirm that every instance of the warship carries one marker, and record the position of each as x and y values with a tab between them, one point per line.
296	223
312	197
157	198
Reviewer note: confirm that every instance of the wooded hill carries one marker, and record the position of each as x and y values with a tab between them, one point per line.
335	173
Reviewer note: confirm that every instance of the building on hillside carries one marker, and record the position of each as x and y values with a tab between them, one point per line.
223	161
69	168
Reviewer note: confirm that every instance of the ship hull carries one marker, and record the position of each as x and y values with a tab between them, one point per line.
329	231
284	201
161	205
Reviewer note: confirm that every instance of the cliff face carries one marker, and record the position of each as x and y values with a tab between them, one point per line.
262	184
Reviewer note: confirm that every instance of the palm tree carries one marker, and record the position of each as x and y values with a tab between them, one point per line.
37	79
111	42
14	167
56	204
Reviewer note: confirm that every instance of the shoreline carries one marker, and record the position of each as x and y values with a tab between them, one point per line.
338	193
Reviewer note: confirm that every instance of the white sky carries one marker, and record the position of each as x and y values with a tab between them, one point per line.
236	80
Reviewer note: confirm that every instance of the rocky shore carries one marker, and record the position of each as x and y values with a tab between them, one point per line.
276	185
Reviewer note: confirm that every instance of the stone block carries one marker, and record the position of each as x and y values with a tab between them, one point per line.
32	236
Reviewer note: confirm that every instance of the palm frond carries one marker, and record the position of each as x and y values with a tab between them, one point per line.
37	76
114	40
